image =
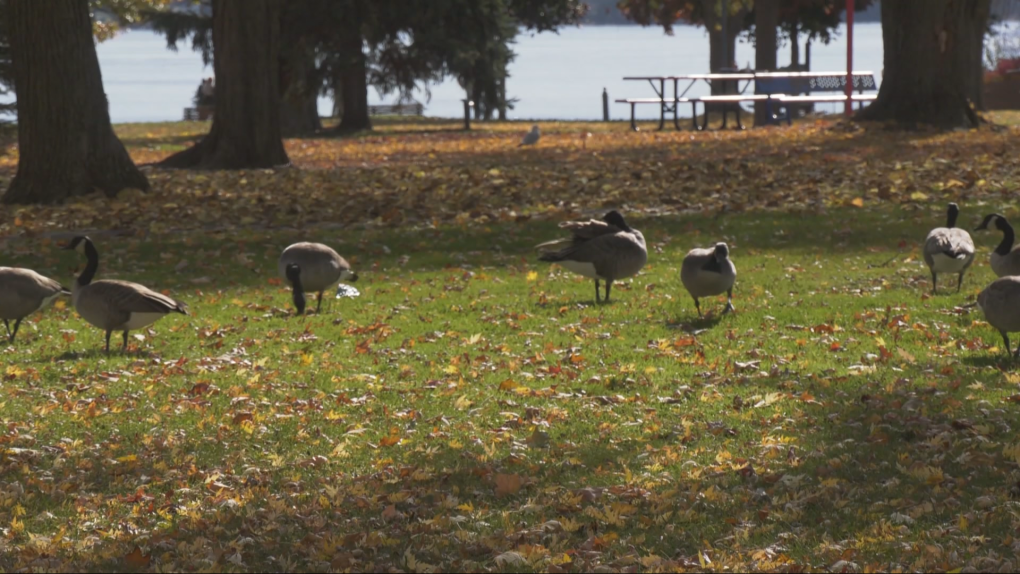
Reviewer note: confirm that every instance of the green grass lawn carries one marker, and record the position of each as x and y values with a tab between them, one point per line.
474	409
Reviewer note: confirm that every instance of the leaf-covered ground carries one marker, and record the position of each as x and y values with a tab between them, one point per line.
473	410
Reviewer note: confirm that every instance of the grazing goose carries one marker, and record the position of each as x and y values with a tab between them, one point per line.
948	249
608	250
1005	259
530	138
116	305
1000	303
709	272
23	292
319	268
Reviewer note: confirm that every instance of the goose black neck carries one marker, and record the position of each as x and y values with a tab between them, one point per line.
298	294
92	266
1006	245
954	212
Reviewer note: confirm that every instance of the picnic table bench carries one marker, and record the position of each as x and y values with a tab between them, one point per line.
412	109
780	88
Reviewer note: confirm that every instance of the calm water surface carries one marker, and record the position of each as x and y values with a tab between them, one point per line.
555	76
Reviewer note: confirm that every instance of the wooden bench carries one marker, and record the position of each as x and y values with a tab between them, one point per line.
734	100
659	101
785	88
415	109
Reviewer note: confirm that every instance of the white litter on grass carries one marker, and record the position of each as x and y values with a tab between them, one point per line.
343	291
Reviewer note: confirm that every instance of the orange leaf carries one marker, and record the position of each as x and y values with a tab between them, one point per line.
508	484
136	560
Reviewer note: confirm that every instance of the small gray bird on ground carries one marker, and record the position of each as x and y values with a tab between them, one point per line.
531	138
709	272
604	250
23	292
948	249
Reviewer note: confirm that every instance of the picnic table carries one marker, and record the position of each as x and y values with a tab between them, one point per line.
671	105
782	89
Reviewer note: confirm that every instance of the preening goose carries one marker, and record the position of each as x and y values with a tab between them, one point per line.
709	272
23	292
948	249
319	269
116	305
531	138
1005	260
608	250
1000	303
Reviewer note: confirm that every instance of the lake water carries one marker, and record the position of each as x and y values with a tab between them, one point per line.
555	76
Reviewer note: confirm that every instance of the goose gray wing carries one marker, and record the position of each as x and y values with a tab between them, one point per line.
127	297
952	242
617	255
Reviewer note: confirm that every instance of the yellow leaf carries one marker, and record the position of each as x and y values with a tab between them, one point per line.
919	196
857	202
532	276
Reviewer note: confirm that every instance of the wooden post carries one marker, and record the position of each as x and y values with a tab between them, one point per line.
468	104
605	105
848	108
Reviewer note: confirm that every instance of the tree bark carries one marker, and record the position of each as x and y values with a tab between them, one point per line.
299	106
930	51
66	145
354	82
766	43
246	123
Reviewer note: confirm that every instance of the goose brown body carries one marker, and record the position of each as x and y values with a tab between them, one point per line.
709	272
1000	302
23	292
113	305
604	250
321	268
948	249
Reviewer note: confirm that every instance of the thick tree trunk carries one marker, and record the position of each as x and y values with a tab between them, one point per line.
975	38
718	46
929	62
794	47
299	106
246	123
354	80
766	22
66	146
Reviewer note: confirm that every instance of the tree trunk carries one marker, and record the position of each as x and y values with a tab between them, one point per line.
930	50
716	48
66	145
794	47
245	131
299	106
354	79
766	21
975	38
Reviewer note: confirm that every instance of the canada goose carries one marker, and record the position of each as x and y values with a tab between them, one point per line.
1005	259
116	305
319	268
531	138
1000	302
948	249
608	250
23	292
709	272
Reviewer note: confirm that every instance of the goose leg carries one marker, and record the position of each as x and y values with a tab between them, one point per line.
1005	338
108	333
124	347
959	283
318	305
7	324
934	284
609	285
597	291
729	302
17	323
697	305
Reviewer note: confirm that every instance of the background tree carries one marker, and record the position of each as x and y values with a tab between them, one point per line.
66	143
245	130
932	62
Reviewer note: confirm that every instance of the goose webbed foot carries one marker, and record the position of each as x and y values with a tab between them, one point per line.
729	303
